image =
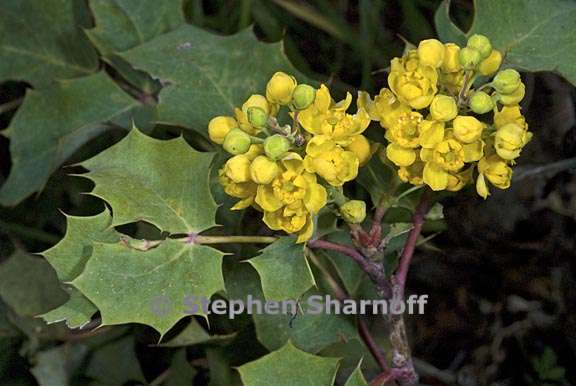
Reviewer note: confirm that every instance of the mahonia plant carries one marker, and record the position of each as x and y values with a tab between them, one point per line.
286	170
447	124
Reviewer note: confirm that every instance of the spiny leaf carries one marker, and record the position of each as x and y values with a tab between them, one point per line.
29	285
193	334
535	35
124	24
181	372
53	123
206	74
445	27
76	312
164	183
149	287
283	270
41	41
69	256
289	366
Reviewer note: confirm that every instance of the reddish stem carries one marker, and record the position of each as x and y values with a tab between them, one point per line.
372	345
410	245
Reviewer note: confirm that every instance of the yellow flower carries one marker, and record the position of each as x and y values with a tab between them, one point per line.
449	155
386	108
457	181
515	97
360	146
405	131
431	53
491	64
473	151
237	168
353	211
244	190
453	81
330	161
496	171
435	176
509	114
443	108
243	122
451	62
263	170
219	127
431	133
280	88
467	129
510	139
414	83
401	156
256	100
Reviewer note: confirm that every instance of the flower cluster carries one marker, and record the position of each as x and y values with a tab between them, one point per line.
440	129
287	170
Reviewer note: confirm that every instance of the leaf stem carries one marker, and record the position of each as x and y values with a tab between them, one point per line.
199	239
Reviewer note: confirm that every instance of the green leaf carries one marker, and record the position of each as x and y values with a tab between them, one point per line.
164	183
53	123
115	364
445	27
193	334
534	35
289	366
206	74
29	285
309	332
377	178
149	287
357	378
56	366
41	41
181	373
283	270
70	255
125	24
76	312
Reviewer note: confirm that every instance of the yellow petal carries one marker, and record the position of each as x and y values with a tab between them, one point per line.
435	177
266	199
473	151
481	187
401	156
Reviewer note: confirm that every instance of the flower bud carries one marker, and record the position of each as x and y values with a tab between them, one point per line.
263	170
237	168
280	88
451	62
467	129
443	108
276	146
219	127
303	96
257	117
256	100
510	139
506	81
431	52
469	58
353	211
480	102
480	43
491	64
513	98
237	142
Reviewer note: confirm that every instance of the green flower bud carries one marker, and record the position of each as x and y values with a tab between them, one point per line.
353	211
303	96
469	58
276	146
513	98
480	43
481	103
237	142
506	81
257	117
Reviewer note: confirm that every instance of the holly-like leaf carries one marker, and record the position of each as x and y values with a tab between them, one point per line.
283	269
69	256
150	287
181	372
206	74
310	332
534	35
357	378
445	27
29	285
76	312
125	24
56	366
164	183
193	334
53	123
289	366
41	41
